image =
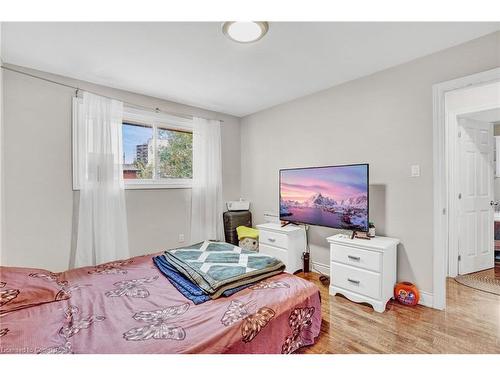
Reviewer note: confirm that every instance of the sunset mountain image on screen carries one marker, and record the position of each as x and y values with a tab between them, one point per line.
335	197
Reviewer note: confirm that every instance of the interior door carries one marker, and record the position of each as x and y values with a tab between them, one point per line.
476	224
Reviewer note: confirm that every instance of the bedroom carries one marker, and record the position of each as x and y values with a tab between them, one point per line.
123	145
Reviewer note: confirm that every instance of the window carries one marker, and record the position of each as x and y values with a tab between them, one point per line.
157	150
137	160
175	153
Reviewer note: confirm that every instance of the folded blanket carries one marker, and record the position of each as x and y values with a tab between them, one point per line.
218	266
186	287
183	285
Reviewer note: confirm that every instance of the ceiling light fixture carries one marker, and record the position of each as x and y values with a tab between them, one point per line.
245	32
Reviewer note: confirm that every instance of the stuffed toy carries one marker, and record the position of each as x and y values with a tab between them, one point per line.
248	238
248	243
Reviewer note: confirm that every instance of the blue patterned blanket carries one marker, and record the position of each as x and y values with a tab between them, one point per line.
187	288
216	267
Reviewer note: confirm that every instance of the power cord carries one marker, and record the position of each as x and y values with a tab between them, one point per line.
324	279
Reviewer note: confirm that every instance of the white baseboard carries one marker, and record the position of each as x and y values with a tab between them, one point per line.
426	298
321	268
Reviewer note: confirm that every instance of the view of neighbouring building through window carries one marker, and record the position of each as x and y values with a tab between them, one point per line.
172	157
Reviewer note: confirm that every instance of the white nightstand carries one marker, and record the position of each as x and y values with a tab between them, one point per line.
363	270
285	243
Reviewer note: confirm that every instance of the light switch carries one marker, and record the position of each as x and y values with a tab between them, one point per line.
415	170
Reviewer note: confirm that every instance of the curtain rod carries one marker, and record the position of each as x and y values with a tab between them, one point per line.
183	115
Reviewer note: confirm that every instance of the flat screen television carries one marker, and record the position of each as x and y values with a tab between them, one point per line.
334	196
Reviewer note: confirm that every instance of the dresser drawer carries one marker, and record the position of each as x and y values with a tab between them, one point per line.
355	280
273	239
274	252
367	259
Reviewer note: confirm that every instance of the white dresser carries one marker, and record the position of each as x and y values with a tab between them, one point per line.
363	270
285	243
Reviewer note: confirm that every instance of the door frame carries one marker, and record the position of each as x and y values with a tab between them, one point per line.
443	164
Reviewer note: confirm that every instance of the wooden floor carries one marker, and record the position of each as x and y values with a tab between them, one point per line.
470	324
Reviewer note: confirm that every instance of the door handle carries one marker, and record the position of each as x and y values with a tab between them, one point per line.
272	239
353	281
353	257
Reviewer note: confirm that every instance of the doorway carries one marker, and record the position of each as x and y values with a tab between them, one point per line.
477	197
459	109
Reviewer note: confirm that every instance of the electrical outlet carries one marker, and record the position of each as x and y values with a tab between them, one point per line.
181	237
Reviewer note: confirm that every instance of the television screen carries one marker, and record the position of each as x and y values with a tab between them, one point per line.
335	197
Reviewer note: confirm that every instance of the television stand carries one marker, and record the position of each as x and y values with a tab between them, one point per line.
363	271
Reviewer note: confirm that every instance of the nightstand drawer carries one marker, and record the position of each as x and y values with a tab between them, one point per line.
355	257
273	239
355	280
274	252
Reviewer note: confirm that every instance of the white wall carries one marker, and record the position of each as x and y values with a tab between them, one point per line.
384	119
40	202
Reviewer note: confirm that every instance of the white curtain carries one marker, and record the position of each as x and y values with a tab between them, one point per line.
102	221
206	201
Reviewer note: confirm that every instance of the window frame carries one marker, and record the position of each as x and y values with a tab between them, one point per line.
141	117
157	120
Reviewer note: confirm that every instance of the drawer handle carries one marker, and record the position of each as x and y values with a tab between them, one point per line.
352	257
272	239
353	281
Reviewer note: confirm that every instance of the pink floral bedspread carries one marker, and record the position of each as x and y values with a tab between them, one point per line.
130	307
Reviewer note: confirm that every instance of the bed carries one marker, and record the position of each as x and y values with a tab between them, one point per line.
128	306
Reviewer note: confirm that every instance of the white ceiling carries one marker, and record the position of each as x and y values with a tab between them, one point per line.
194	63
